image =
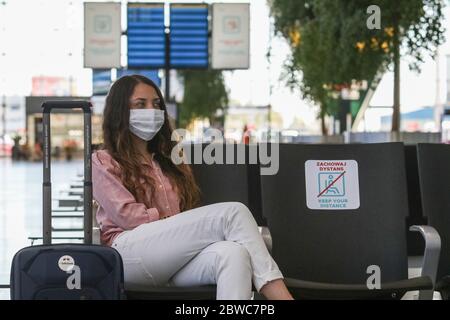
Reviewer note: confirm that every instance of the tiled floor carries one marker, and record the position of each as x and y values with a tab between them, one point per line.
21	204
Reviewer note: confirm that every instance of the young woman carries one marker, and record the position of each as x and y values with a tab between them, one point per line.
148	207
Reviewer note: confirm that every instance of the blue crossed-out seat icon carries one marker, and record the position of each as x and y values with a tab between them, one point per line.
331	184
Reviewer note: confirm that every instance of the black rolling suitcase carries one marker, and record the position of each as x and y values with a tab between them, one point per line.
67	271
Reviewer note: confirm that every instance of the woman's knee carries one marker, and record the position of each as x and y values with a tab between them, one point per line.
232	214
240	209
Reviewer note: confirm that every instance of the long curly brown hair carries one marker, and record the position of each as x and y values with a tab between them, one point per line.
117	141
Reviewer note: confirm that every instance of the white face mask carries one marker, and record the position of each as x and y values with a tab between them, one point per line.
145	123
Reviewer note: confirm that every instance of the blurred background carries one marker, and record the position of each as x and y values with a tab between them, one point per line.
280	70
41	57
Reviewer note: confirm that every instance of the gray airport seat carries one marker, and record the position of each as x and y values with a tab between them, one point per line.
434	173
330	254
414	241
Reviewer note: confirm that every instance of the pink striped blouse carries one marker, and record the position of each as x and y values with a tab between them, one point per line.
118	209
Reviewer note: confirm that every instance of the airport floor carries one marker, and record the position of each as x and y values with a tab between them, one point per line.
21	209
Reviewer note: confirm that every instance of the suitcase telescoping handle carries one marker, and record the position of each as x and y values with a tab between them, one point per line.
47	186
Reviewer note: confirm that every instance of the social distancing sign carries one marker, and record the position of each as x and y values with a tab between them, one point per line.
332	184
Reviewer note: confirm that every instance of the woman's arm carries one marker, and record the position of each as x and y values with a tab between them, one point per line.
119	204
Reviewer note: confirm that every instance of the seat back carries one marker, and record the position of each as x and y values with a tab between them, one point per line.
231	181
415	241
338	246
434	174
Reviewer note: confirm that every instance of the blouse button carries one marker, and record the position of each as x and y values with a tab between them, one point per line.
160	186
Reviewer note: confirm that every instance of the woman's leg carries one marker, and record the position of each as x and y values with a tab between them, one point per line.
224	263
157	250
276	290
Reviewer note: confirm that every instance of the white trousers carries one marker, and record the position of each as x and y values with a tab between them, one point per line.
215	244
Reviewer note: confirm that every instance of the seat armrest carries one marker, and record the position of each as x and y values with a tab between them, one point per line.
267	237
431	255
96	235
